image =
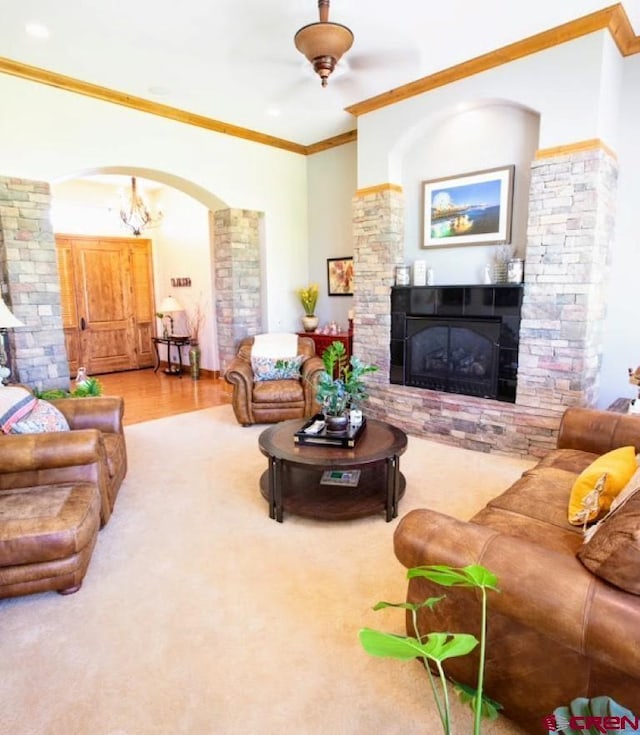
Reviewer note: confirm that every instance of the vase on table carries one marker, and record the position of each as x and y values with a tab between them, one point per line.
194	360
310	322
336	424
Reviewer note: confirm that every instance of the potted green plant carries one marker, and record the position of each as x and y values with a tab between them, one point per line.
341	386
435	648
309	298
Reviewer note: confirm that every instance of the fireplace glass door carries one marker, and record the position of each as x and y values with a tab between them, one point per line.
453	355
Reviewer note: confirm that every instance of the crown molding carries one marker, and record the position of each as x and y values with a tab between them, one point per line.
350	137
569	148
70	84
614	19
378	189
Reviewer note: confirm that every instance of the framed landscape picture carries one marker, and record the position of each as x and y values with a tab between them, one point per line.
340	276
468	209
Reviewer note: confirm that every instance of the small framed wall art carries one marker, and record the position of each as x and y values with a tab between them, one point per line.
468	209
340	276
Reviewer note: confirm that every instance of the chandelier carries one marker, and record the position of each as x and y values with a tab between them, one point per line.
135	213
323	43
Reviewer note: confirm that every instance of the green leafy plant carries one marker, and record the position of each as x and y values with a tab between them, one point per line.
435	648
308	297
90	387
584	713
341	385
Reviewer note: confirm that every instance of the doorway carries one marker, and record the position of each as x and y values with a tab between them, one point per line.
107	299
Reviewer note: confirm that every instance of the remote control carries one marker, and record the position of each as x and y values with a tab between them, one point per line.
315	428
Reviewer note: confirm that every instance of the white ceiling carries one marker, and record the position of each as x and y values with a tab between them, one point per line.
235	61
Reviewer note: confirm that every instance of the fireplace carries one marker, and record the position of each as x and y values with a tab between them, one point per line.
457	339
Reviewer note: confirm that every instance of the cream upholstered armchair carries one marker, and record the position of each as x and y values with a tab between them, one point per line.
274	378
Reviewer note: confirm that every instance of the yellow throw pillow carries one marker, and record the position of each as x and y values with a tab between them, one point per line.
599	483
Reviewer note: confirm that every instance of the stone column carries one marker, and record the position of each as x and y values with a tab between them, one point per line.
570	229
236	257
30	283
378	246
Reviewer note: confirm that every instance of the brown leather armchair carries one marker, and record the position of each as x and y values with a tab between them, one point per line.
273	400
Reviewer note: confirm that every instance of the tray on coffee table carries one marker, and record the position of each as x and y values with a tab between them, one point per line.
346	438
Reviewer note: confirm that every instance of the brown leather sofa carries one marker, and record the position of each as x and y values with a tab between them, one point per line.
557	630
270	401
103	414
49	510
56	490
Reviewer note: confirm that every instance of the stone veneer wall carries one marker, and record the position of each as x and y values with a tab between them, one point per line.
570	229
236	256
30	284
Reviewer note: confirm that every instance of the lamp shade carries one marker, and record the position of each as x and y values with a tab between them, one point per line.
7	320
169	304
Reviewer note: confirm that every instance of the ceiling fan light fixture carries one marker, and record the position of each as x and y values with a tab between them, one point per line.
323	43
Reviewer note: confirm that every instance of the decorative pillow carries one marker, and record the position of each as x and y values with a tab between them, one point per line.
44	417
628	491
276	368
612	548
598	484
15	402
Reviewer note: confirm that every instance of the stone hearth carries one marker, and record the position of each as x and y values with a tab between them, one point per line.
570	226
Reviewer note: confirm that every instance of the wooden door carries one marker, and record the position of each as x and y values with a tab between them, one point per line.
107	302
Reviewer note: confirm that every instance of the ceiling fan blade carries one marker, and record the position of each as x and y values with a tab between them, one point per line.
363	61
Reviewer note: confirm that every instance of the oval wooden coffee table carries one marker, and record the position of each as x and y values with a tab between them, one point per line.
292	481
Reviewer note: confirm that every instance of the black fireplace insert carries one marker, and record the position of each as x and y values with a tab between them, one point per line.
457	339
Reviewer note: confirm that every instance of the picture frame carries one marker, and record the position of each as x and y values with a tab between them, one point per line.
468	209
340	276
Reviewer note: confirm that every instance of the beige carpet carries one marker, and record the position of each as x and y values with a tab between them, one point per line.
200	615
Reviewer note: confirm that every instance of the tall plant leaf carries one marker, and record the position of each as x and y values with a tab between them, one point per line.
436	647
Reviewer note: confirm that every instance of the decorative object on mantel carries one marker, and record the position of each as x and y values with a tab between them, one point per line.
341	386
7	321
323	43
500	263
309	298
515	270
468	209
135	213
403	275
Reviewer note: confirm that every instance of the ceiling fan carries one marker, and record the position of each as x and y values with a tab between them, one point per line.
323	42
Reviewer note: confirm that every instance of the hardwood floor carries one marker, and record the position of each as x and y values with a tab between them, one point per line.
148	395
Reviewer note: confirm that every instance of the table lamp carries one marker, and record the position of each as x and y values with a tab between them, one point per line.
7	321
168	306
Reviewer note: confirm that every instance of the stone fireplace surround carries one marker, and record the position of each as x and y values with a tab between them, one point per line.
569	233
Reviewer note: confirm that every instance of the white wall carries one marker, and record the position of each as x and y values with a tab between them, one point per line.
48	134
181	250
479	138
331	187
621	343
562	84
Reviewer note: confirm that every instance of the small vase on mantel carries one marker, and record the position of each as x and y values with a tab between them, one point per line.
310	322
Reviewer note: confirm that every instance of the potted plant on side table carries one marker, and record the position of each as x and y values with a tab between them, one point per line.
309	298
341	387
